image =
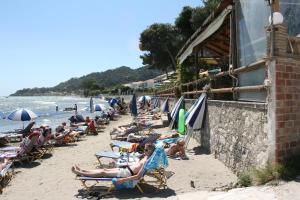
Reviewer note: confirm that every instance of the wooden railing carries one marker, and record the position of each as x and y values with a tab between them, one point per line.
196	89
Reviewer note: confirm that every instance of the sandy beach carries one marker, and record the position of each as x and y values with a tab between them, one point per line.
51	178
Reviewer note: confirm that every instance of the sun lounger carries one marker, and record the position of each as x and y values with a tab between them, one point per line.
154	167
5	176
23	152
122	158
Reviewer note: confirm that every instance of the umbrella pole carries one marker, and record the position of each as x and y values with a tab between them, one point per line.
23	124
188	137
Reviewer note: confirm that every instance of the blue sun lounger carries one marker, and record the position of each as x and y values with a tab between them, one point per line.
157	161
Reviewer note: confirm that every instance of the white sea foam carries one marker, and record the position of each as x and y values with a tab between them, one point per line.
45	102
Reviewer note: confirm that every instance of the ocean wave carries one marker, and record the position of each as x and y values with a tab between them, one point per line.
45	102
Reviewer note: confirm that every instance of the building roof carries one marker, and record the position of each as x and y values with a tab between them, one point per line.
210	26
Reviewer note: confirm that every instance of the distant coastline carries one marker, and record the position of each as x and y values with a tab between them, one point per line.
110	81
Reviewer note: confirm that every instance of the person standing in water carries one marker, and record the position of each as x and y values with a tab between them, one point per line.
75	108
91	105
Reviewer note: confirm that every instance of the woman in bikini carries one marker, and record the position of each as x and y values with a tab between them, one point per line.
130	172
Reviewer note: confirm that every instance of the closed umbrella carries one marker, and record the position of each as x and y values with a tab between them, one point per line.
165	106
133	107
155	103
175	112
22	115
2	116
195	118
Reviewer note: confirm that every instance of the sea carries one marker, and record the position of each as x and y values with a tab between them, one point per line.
45	108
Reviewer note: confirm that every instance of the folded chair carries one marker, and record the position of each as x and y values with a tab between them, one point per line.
5	176
154	166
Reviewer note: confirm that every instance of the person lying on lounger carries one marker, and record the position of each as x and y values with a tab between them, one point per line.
130	172
4	164
176	149
124	130
173	135
62	131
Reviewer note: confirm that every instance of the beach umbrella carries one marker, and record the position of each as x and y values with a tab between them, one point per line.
191	108
2	116
99	107
194	120
113	101
165	106
133	107
105	103
175	112
22	115
144	98
155	103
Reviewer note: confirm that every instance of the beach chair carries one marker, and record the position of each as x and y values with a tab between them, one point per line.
27	130
5	176
23	152
129	146
154	167
123	158
43	144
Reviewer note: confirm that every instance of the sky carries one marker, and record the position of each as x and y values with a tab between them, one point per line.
45	42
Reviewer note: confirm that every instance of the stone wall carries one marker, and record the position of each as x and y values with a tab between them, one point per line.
236	133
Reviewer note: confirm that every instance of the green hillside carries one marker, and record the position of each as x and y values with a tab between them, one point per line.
97	82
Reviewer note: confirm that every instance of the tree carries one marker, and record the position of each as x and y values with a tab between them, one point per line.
161	43
184	24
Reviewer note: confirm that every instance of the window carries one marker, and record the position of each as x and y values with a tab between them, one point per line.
252	19
290	9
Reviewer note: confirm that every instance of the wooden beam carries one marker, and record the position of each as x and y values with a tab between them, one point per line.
215	49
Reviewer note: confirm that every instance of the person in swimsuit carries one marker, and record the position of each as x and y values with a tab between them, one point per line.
130	172
176	149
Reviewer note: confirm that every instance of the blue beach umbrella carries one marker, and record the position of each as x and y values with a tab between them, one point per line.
191	108
2	116
175	112
155	103
113	101
133	106
99	107
165	106
22	115
195	118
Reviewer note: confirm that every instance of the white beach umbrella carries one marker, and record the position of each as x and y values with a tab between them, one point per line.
22	114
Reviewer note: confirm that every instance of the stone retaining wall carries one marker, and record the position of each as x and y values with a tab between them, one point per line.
236	133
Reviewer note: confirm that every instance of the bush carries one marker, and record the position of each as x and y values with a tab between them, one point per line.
245	180
291	167
270	173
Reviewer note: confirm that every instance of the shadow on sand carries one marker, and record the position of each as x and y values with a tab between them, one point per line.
26	164
200	151
100	192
